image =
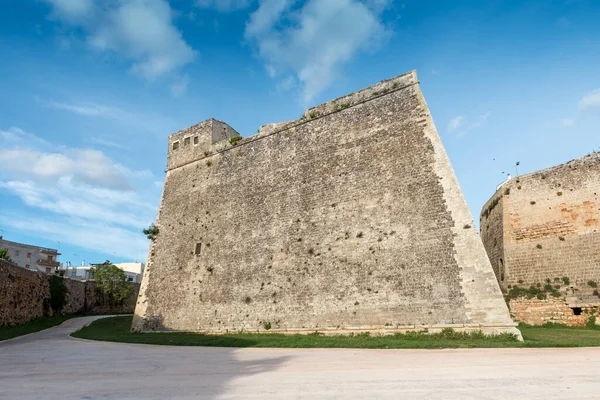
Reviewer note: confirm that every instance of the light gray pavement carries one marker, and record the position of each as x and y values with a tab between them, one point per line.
51	365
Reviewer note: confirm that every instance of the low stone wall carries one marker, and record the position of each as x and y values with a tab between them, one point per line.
24	296
554	310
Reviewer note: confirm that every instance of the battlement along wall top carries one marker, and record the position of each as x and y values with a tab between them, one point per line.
198	141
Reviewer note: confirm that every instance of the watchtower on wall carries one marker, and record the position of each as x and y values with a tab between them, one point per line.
198	141
348	219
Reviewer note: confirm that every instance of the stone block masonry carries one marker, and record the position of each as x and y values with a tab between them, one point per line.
349	219
546	225
24	296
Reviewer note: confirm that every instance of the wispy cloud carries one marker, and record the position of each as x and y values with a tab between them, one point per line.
455	123
318	38
180	86
139	30
87	109
590	100
566	122
224	5
462	126
107	143
150	122
92	198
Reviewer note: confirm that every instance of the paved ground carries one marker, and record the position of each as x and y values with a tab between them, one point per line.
51	365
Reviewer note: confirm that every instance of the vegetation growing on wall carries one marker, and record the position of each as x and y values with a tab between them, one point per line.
234	140
151	232
58	293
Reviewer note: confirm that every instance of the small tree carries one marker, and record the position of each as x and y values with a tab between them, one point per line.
111	282
4	255
58	293
151	232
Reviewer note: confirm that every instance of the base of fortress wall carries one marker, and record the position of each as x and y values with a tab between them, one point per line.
551	310
379	331
24	296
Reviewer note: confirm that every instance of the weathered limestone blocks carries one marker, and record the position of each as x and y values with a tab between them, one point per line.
348	219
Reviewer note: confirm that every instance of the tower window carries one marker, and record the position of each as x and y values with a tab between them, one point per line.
195	139
176	145
198	248
186	141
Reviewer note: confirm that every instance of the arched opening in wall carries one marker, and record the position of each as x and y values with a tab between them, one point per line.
576	310
501	269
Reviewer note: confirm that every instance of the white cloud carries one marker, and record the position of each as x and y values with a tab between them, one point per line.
285	84
481	120
317	39
86	166
455	123
97	236
107	143
224	5
87	199
179	87
459	122
150	122
566	122
140	30
87	109
72	10
590	100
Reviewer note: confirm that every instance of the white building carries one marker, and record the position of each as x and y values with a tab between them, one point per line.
31	257
133	271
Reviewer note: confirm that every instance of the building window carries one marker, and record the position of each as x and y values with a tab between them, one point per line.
175	145
50	258
198	248
28	255
48	270
195	139
186	141
27	266
17	252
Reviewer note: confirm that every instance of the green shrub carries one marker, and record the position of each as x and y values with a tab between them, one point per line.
539	246
58	293
593	284
4	255
267	325
566	280
234	140
591	323
151	232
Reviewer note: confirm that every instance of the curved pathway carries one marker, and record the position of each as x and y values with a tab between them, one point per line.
52	365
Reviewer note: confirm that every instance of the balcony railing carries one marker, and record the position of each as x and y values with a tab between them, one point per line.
48	263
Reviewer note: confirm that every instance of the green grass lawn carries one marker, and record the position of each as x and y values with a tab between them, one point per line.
116	329
38	324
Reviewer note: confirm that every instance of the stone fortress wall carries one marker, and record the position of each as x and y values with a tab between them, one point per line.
348	219
546	225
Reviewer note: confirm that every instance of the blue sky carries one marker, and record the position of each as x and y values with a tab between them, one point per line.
90	90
